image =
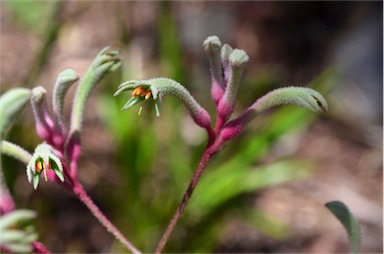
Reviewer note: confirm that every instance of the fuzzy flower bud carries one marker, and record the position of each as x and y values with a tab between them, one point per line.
212	46
44	160
43	122
237	60
11	104
156	89
226	50
105	62
64	81
300	96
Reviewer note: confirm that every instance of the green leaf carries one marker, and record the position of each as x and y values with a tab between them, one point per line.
216	187
349	222
160	87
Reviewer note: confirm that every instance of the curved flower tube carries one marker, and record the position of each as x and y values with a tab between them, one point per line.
156	89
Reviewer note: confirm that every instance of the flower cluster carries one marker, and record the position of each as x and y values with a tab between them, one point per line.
226	66
56	158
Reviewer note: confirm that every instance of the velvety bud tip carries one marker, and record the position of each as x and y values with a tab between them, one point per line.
212	43
238	58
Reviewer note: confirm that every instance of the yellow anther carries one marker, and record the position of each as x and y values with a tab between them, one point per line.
148	95
39	166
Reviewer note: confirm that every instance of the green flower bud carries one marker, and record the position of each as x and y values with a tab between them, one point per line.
64	81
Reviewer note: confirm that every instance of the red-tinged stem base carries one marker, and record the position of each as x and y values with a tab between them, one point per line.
83	196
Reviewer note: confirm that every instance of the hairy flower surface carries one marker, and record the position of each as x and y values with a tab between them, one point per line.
156	89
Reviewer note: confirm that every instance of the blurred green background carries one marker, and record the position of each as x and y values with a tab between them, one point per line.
265	191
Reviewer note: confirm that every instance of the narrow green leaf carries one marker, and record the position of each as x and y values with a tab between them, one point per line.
341	211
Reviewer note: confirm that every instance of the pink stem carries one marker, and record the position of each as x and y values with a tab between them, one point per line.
219	124
188	193
6	201
83	196
40	248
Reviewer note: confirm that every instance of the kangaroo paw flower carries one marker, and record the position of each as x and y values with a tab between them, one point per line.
43	161
14	237
300	96
155	89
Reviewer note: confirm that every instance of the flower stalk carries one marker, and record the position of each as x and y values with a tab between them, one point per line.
226	66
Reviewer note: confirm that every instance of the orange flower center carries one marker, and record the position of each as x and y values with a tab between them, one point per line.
142	92
42	166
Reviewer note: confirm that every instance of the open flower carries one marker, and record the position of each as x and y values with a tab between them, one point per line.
156	88
43	160
140	92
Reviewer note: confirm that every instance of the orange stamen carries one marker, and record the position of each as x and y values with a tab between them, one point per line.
143	93
148	95
137	91
39	166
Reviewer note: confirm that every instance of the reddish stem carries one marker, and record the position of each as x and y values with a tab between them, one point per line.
219	124
188	193
83	196
38	247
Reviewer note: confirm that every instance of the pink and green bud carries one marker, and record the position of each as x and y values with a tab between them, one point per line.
237	61
212	47
105	62
43	122
155	89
